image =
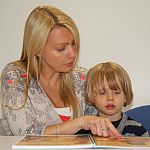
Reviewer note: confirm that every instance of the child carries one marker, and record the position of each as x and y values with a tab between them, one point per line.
109	89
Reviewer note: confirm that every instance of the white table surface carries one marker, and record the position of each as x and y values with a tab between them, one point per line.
6	142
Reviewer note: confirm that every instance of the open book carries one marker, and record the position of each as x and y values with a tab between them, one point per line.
42	142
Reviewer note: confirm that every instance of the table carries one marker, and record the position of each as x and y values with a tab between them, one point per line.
7	141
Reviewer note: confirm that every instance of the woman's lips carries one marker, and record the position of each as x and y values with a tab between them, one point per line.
110	106
70	64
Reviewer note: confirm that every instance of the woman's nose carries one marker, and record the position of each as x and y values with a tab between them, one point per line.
71	52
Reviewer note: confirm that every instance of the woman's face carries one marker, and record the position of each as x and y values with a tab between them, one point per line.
59	53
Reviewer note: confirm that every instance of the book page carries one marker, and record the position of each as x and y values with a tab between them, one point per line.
57	141
129	142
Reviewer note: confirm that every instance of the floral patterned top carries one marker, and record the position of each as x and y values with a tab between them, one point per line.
38	112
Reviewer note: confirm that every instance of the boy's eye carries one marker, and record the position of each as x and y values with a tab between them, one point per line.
117	92
101	93
73	43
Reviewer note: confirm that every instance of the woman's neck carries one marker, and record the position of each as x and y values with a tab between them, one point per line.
51	86
50	76
50	81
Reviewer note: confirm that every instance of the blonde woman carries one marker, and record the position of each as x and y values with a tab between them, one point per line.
44	91
109	88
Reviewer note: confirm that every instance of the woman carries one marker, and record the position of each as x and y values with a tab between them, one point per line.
43	92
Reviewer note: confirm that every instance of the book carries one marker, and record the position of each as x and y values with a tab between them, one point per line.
124	142
80	141
42	142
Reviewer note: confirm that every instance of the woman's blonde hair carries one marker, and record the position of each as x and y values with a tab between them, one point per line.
41	21
109	70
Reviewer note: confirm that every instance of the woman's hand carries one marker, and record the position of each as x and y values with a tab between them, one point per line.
99	126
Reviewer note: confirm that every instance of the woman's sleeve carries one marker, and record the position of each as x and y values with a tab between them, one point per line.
90	110
16	120
79	80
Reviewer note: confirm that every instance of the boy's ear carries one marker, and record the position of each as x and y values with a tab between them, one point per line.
125	102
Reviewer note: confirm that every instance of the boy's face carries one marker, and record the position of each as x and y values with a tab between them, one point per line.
110	102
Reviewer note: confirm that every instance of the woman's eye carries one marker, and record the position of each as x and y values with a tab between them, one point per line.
61	49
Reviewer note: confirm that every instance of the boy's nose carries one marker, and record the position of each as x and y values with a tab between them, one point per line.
110	96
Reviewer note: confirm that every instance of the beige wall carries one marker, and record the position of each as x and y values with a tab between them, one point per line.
111	30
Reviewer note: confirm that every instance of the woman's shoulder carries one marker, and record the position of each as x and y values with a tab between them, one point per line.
12	71
11	67
80	71
13	78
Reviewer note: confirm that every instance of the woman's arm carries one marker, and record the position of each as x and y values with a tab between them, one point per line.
98	126
15	121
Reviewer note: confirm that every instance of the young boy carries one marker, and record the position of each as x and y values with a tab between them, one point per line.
109	89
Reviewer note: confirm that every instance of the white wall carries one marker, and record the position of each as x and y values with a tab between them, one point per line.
110	30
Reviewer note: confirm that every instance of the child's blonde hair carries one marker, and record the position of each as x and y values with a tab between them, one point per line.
109	70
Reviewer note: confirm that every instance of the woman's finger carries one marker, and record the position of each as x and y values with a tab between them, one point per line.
93	129
99	129
104	128
112	130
